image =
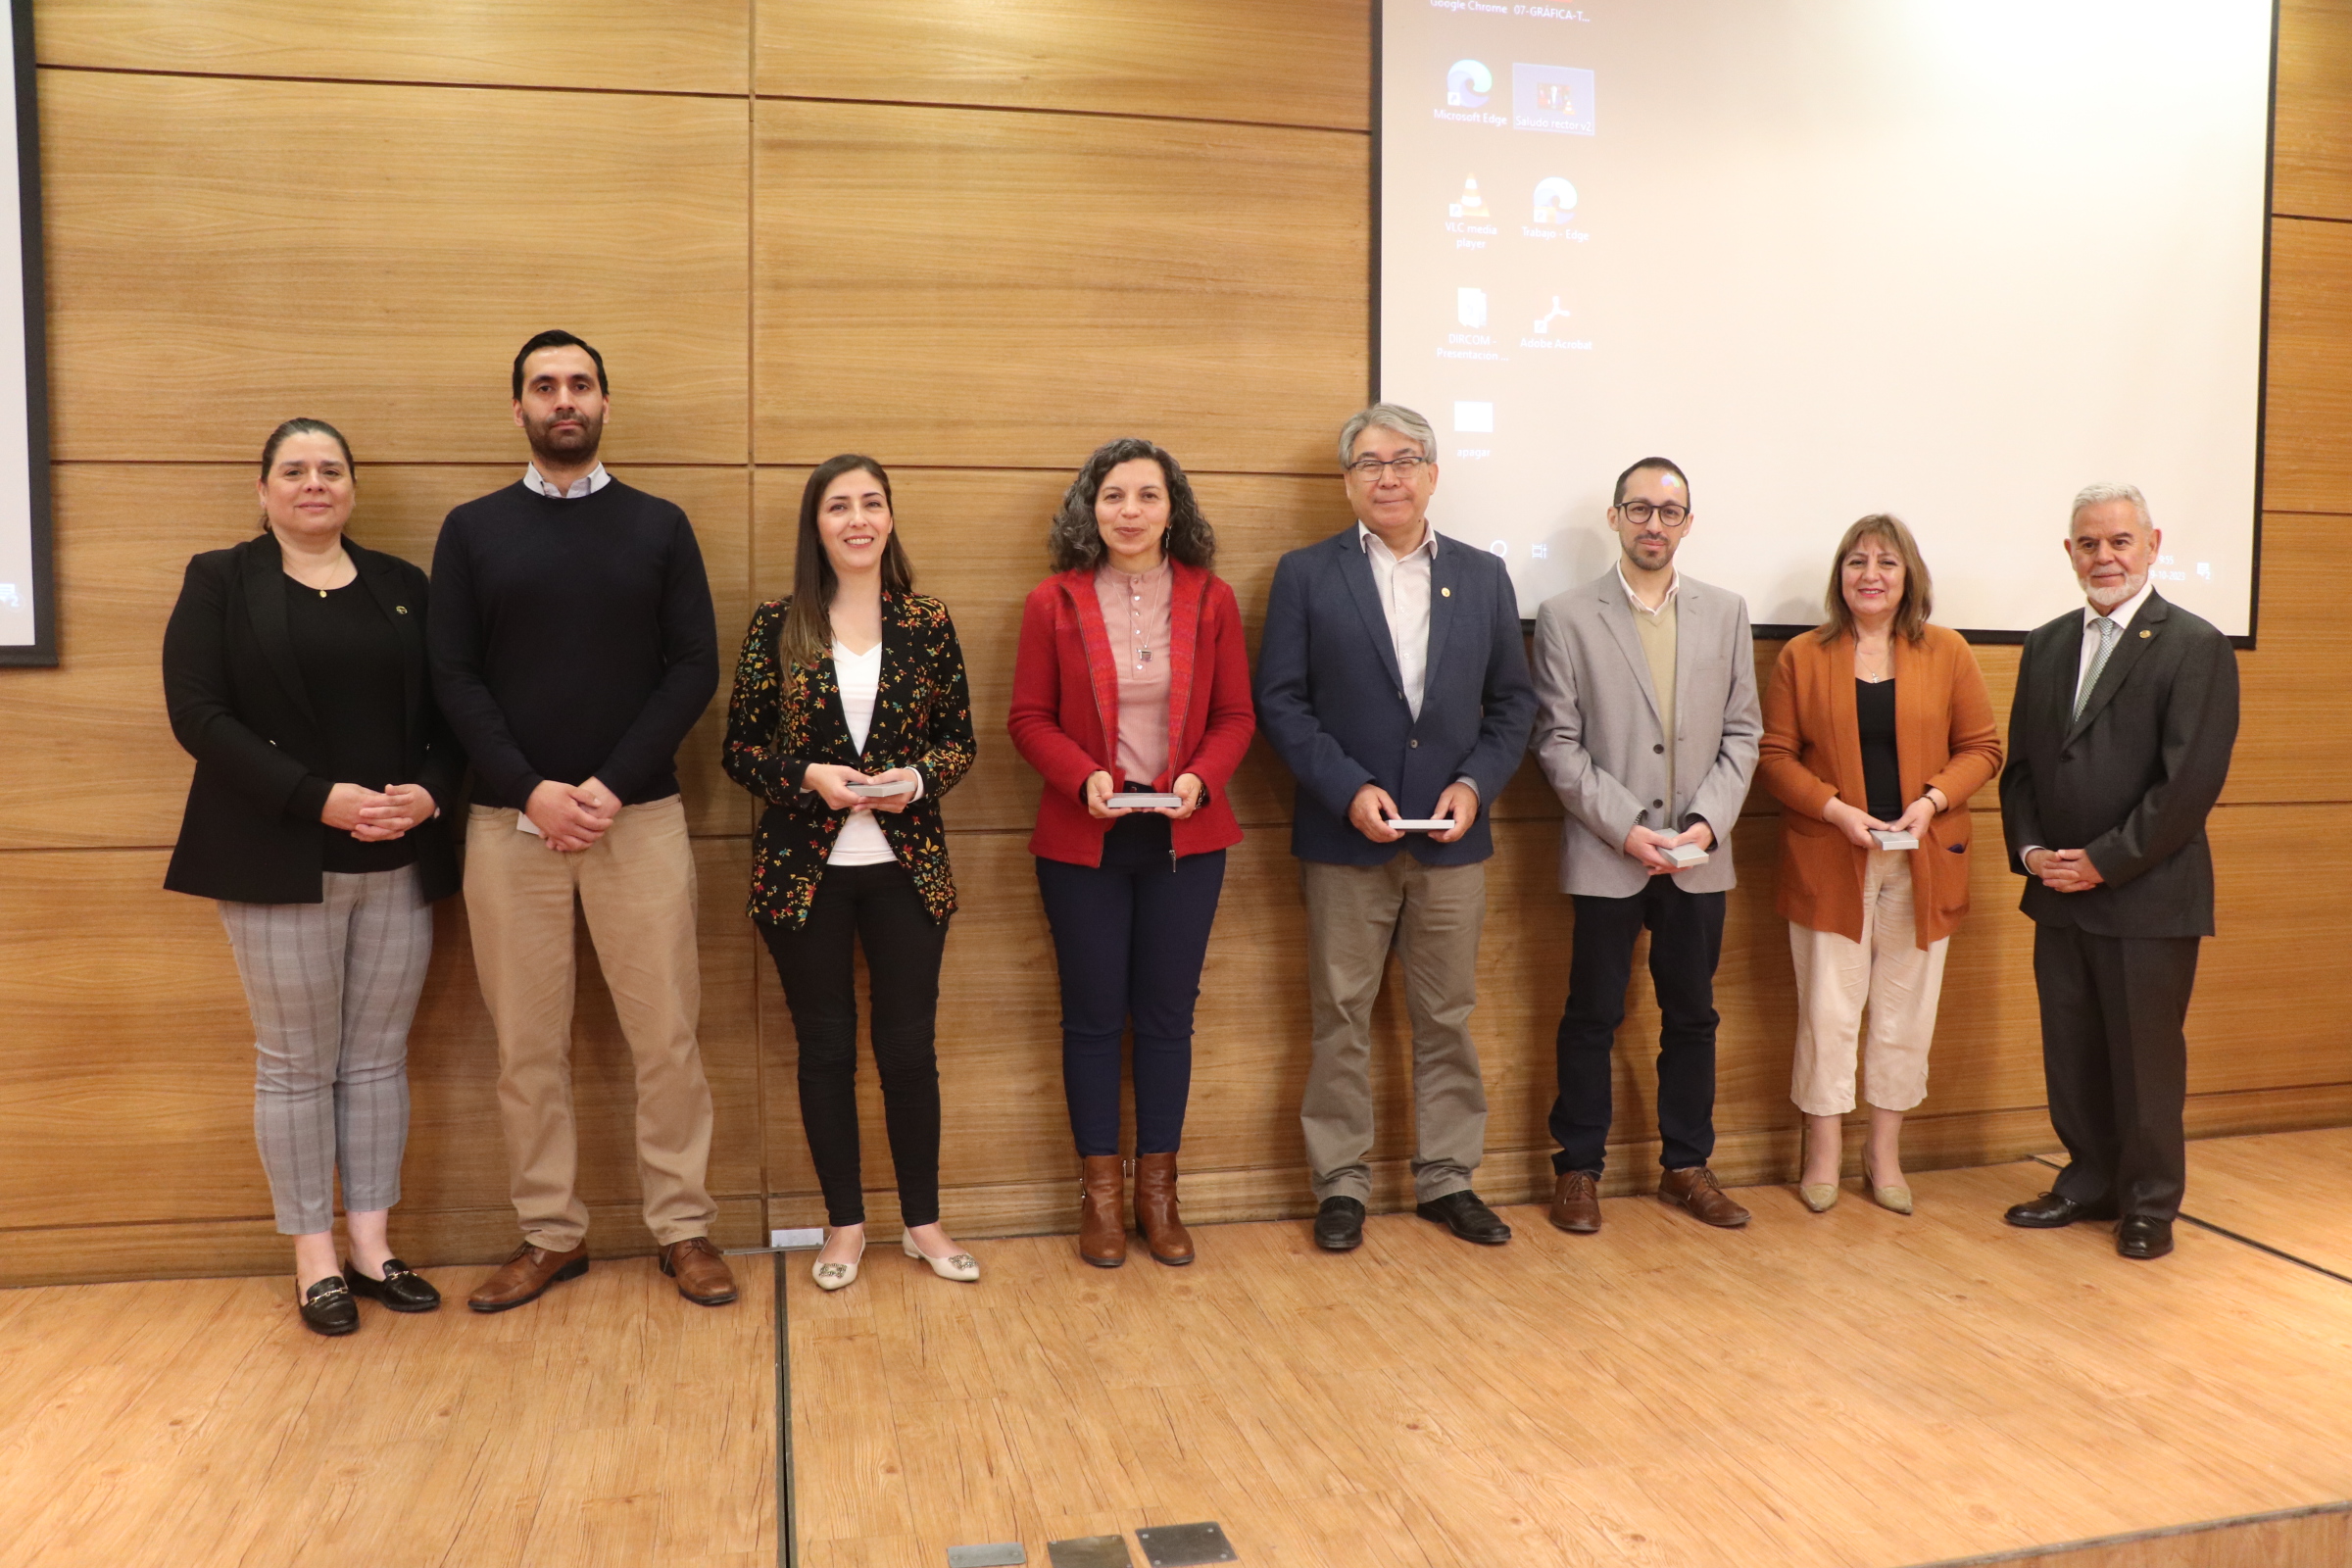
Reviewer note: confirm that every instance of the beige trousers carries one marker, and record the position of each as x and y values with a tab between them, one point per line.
1888	970
637	887
1432	916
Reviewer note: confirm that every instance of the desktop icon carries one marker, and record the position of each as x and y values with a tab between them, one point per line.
1467	85
1470	307
1473	419
1542	326
1554	98
1555	200
1472	204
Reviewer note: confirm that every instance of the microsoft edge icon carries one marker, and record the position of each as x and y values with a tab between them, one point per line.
1467	83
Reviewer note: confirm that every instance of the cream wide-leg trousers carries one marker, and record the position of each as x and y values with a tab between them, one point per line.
1886	971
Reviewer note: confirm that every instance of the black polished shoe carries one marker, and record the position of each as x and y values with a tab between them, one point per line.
328	1308
2049	1212
1463	1214
1340	1225
402	1289
2142	1237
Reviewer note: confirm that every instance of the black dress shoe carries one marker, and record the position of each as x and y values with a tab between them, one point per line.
2143	1236
1463	1214
328	1308
402	1289
2049	1212
1340	1225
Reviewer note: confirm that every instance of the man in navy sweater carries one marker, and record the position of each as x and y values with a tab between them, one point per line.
1392	681
574	646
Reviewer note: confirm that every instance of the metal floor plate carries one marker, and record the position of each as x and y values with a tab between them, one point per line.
1184	1545
1089	1551
988	1555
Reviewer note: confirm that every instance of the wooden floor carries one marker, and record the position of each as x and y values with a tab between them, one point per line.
2290	1191
197	1424
1853	1387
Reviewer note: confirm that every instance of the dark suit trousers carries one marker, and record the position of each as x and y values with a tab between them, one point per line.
2117	1063
1685	940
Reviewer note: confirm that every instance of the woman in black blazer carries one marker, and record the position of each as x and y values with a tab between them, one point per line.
294	668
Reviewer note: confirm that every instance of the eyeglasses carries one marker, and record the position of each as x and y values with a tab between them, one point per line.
1673	515
1368	469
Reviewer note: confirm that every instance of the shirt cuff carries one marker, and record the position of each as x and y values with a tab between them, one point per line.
1473	786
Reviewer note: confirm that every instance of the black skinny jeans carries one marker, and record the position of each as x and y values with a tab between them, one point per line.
876	905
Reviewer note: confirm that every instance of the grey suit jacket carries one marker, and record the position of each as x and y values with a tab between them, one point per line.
1600	740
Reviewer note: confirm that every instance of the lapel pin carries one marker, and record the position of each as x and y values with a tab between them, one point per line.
404	610
2144	632
1445	593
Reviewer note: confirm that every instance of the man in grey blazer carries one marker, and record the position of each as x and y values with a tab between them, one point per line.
2119	740
1647	729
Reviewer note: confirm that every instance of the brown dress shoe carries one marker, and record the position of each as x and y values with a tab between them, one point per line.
1696	1188
702	1274
1102	1221
1576	1201
1156	1209
527	1275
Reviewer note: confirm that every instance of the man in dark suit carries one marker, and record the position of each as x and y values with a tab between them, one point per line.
2119	741
1394	683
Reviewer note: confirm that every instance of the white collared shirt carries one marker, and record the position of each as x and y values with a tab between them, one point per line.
2121	615
534	482
1402	583
1673	587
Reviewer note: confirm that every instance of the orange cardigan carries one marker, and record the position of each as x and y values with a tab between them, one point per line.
1812	754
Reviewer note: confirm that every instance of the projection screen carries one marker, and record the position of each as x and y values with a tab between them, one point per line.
27	608
1952	261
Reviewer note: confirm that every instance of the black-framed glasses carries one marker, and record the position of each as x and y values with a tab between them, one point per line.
1404	467
1673	513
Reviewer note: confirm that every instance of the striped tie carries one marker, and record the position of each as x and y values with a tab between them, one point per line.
2109	632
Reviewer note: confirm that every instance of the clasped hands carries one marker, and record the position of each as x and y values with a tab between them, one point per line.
376	817
1187	788
1369	812
1857	824
1647	846
2063	871
830	781
572	817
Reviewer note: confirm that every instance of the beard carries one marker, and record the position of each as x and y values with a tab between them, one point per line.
565	447
2106	599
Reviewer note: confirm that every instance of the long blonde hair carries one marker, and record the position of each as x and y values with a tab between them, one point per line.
1911	611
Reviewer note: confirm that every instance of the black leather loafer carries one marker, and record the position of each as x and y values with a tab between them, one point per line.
1340	1225
2049	1212
1463	1214
2144	1237
402	1289
328	1308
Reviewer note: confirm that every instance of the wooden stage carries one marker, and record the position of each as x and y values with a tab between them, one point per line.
1854	1388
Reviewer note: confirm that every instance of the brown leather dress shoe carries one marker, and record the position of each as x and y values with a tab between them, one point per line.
700	1272
527	1275
1101	1220
1156	1211
1696	1188
1576	1201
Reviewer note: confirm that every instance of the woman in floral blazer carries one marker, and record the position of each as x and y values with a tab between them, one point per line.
851	719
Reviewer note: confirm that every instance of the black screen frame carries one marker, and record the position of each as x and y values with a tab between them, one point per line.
41	652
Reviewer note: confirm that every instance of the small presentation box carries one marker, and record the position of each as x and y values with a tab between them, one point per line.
1419	824
1887	838
1144	800
1684	856
881	792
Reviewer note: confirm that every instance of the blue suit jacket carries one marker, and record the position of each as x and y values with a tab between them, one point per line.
1331	701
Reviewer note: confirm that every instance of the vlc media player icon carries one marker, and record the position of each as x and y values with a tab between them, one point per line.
1472	204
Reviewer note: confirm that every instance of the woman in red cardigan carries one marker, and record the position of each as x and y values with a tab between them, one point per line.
1132	678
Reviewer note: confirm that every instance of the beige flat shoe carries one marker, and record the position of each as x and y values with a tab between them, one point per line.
837	1276
963	1267
1818	1195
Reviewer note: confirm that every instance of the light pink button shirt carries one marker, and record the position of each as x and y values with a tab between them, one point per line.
1136	614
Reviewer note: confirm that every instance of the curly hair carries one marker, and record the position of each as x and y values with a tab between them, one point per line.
1076	540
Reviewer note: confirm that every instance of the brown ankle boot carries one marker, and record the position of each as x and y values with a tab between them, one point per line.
1101	1220
1156	1209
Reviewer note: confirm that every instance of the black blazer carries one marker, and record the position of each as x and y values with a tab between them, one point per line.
238	705
2133	779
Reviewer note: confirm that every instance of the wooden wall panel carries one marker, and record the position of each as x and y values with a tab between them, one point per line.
2311	163
989	289
223	251
689	46
2307	433
1232	59
115	776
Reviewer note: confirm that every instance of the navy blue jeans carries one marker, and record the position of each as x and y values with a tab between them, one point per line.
1130	936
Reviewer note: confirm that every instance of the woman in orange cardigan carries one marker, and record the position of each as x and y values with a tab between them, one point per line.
1873	722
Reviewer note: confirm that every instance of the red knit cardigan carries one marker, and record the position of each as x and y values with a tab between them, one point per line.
1065	709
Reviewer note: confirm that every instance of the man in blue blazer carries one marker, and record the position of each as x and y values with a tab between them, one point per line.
1392	681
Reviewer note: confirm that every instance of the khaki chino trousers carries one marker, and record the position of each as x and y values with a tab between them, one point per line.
636	885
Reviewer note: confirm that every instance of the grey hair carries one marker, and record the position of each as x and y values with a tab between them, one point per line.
1388	417
2091	495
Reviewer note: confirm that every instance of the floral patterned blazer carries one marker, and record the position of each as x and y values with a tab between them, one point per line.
780	720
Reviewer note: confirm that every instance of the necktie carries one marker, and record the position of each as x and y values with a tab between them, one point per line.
2109	632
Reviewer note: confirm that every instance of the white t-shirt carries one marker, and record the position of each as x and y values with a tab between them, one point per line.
860	676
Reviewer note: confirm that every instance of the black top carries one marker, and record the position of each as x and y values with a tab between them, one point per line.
244	707
350	660
1882	775
571	639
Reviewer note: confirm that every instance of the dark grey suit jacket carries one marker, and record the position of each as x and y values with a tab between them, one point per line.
2133	779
